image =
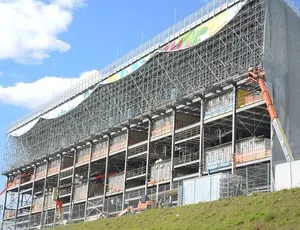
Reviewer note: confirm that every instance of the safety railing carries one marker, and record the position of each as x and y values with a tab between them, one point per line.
65	191
66	173
186	158
136	172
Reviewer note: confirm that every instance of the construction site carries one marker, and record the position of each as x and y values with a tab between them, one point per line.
182	119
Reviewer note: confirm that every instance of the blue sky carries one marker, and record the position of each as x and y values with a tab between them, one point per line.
62	39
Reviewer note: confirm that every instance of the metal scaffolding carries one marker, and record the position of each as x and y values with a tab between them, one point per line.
182	115
164	79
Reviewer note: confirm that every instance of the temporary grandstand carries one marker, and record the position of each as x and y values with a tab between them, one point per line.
176	108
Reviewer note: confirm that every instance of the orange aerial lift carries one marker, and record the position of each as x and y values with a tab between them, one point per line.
258	75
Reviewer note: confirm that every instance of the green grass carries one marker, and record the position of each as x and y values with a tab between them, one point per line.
278	210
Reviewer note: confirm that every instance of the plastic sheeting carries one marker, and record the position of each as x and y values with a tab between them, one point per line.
55	113
282	67
203	31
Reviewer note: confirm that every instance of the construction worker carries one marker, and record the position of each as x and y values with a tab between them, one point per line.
59	204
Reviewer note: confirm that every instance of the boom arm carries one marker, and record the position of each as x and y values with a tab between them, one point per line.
258	75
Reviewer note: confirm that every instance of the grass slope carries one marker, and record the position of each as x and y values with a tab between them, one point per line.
278	210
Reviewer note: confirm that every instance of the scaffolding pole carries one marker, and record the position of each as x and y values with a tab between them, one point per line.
125	167
44	193
72	186
234	100
271	161
88	182
106	171
57	185
148	156
201	138
172	149
32	196
18	199
4	205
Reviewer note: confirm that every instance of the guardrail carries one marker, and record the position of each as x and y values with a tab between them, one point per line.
186	158
136	172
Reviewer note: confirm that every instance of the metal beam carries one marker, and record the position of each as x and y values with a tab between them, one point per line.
18	199
148	155
58	183
125	167
106	172
4	205
32	196
72	185
172	148
88	182
44	193
201	141
234	100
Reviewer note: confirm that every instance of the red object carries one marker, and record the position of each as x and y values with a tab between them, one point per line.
59	204
258	75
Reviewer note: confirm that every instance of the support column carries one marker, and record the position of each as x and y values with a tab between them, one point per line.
268	177
32	196
44	193
148	156
233	168
72	186
247	181
88	180
18	199
201	140
271	161
106	172
125	168
4	205
173	148
57	185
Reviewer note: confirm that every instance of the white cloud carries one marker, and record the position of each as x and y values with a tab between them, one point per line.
32	95
30	28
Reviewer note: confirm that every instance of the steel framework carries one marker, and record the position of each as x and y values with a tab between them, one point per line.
166	78
183	114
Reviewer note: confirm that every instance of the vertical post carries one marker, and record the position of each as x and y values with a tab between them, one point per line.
271	162
156	195
72	186
22	199
172	149
268	177
57	185
148	156
32	196
125	168
18	200
247	181
4	205
44	193
88	180
106	171
233	169
201	141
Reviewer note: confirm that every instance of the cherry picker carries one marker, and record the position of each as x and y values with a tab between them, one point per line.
258	75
